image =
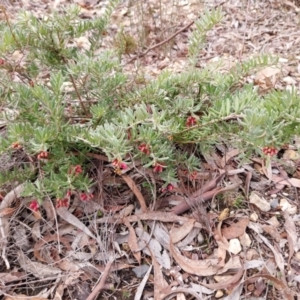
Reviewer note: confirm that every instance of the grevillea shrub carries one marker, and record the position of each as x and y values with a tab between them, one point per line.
63	98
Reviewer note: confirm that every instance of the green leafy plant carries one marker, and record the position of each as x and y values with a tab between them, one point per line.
65	98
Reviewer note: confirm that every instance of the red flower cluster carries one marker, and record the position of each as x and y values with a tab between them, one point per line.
269	150
119	164
16	145
76	170
170	187
34	205
158	167
62	202
2	61
86	196
43	155
144	148
190	121
192	175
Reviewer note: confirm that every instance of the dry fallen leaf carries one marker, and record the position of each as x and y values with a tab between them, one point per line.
292	235
235	229
132	242
12	276
70	218
278	256
272	231
50	238
260	202
225	284
179	233
205	267
150	245
287	294
23	297
37	269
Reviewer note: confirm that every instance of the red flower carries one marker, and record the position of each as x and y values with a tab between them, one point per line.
16	145
86	196
43	155
34	205
193	175
170	187
158	167
123	166
190	121
2	61
62	202
119	164
269	150
69	194
144	148
76	170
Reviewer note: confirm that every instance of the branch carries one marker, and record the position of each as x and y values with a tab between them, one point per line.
161	43
101	283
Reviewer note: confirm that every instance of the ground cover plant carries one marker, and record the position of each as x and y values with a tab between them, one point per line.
80	132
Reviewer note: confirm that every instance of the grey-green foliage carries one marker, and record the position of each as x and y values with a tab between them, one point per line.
85	103
207	21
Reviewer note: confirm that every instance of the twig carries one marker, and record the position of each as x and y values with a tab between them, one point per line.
203	194
169	38
136	191
161	43
9	24
101	283
227	118
7	200
3	255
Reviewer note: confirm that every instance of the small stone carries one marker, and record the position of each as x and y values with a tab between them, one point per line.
200	238
245	240
274	222
286	206
140	271
234	246
219	294
297	256
252	254
291	154
260	202
254	217
274	203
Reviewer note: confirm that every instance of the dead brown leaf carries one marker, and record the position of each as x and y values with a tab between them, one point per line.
289	182
232	153
136	191
235	229
279	285
132	242
50	238
272	231
224	284
12	276
23	297
64	213
277	255
292	235
198	267
182	231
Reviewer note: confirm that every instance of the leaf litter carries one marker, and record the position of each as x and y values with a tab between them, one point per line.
51	252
